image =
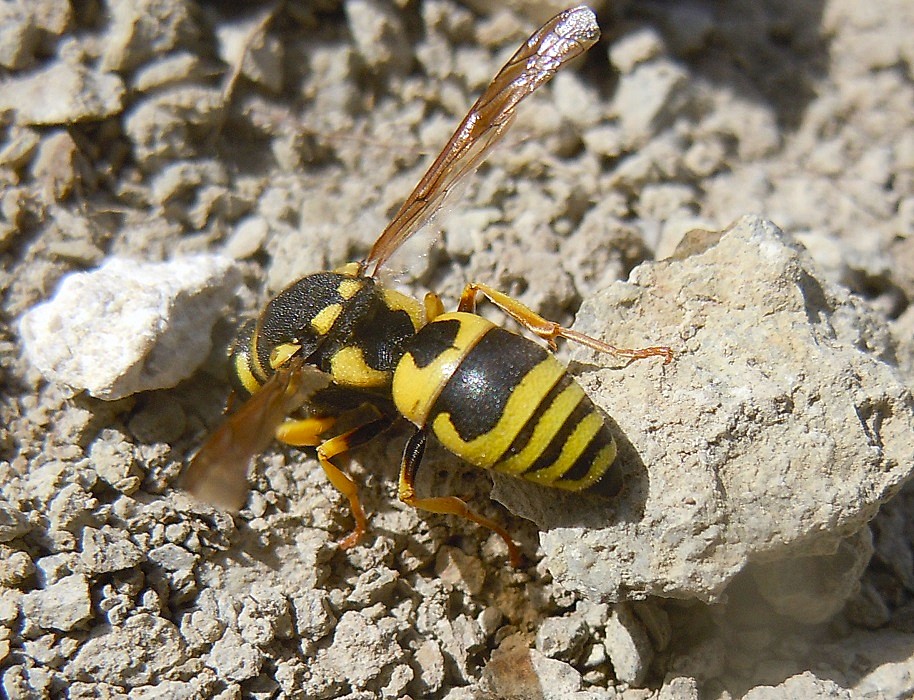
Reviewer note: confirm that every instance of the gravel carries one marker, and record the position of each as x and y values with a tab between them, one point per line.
732	180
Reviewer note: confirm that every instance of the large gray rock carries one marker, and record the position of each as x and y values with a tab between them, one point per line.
778	429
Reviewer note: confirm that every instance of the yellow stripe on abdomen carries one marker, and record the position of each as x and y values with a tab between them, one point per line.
486	449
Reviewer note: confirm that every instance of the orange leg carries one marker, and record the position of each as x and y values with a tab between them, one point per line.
549	330
304	432
448	505
307	432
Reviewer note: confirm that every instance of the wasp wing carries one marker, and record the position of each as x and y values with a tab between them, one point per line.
565	36
218	472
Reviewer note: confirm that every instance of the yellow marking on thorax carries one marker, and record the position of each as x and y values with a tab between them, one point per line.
571	450
401	302
349	288
349	369
485	450
351	269
416	389
281	354
546	428
325	318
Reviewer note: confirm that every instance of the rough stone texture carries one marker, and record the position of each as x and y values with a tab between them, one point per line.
628	645
128	326
62	94
284	136
767	354
61	606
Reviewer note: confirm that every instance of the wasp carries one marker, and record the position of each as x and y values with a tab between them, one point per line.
337	342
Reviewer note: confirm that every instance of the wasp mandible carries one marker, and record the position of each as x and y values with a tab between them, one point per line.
337	342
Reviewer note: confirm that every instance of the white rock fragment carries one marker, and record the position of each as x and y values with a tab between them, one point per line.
143	29
803	685
107	550
628	645
431	666
378	34
22	23
562	637
62	94
233	658
454	567
313	614
129	326
13	524
778	429
266	616
647	99
361	649
246	41
162	127
60	606
679	688
145	649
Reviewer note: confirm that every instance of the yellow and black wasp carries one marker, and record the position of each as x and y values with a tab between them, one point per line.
335	342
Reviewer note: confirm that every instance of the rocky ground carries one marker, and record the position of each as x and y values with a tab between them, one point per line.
197	159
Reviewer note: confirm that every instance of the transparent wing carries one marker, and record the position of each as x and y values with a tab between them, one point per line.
218	472
562	38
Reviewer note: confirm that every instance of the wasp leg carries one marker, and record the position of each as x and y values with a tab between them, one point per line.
449	505
433	307
304	432
307	431
550	330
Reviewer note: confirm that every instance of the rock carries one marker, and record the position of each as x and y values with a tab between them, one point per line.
13	524
18	36
162	126
313	615
765	355
144	650
16	567
259	54
61	606
378	33
648	98
518	672
129	326
814	588
635	48
62	94
139	31
457	569
679	688
628	645
266	616
803	685
233	658
361	649
562	637
107	550
431	671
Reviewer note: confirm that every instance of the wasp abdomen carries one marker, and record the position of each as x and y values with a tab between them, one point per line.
502	402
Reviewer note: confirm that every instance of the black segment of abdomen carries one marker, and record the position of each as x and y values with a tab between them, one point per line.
477	393
432	340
